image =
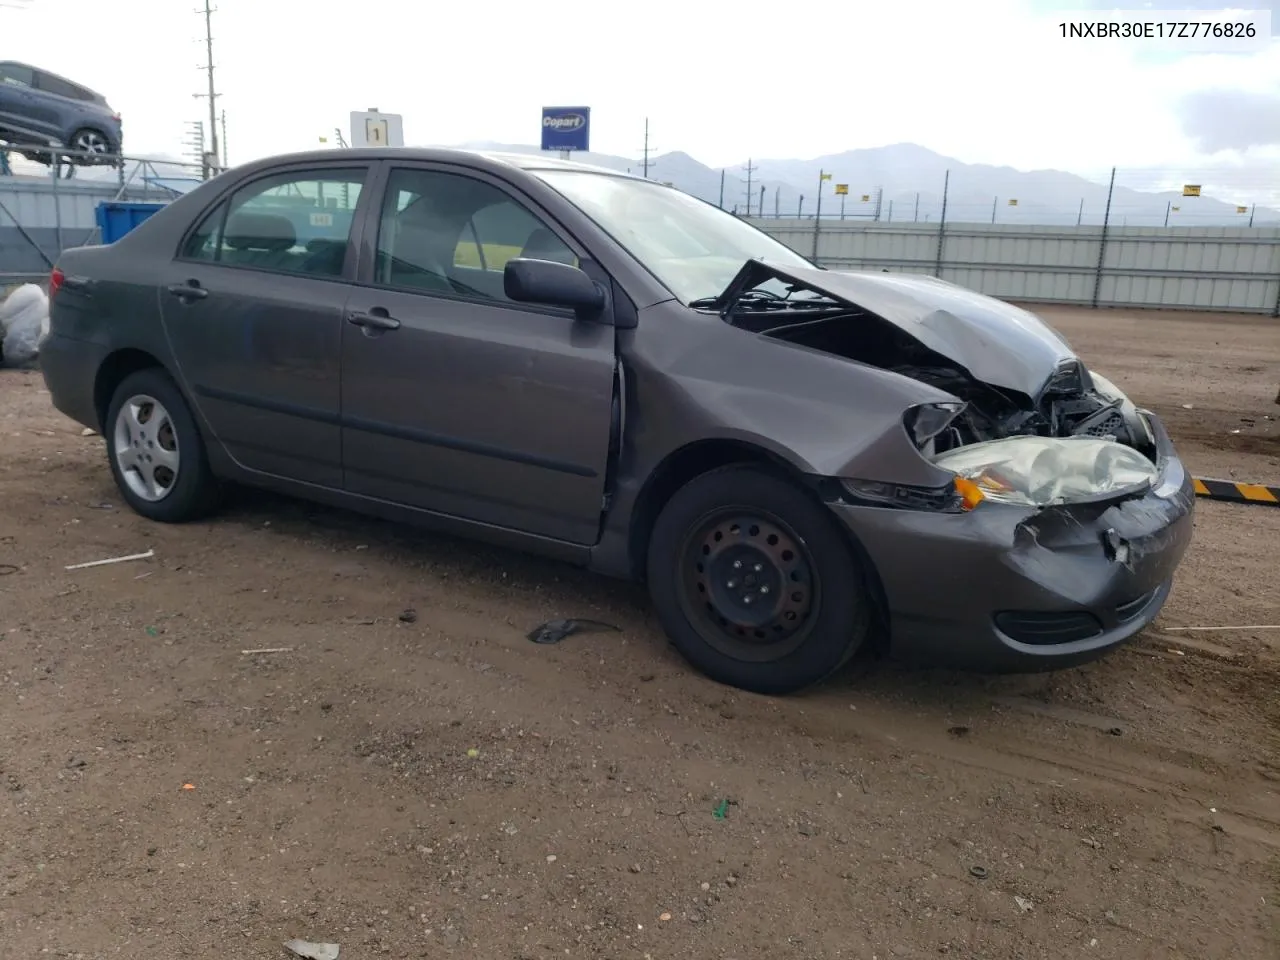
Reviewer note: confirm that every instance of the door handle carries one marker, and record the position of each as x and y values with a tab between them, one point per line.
375	319
188	291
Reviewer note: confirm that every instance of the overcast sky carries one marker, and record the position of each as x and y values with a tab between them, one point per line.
981	80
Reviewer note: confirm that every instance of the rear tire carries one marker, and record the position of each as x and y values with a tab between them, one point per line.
155	450
754	583
93	142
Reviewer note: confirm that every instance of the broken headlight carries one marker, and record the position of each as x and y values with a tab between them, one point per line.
1044	471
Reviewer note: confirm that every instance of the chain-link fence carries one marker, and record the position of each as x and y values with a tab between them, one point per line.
1210	197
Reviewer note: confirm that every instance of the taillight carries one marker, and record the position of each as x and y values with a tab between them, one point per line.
55	281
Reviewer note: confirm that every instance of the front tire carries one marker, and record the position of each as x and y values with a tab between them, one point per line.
155	450
754	583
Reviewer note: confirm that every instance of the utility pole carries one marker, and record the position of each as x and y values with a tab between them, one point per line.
224	140
817	216
646	164
750	170
211	159
721	189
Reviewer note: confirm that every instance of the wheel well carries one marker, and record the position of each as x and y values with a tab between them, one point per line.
114	369
678	469
698	458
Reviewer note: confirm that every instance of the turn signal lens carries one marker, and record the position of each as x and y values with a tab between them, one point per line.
970	493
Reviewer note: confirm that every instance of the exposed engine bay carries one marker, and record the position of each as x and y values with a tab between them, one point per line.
1072	403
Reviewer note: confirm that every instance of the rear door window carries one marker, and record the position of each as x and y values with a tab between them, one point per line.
297	223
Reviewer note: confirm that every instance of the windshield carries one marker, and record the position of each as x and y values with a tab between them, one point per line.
693	248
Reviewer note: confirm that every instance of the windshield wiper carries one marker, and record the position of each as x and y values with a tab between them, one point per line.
752	296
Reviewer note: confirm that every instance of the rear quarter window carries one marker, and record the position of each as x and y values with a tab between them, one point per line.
62	88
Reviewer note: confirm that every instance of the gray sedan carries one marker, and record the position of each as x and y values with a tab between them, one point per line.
601	369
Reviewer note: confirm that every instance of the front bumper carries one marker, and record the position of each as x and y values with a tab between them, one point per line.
1007	588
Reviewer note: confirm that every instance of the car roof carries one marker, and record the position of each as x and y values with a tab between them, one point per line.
48	73
492	159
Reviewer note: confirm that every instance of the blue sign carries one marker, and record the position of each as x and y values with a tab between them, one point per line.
566	128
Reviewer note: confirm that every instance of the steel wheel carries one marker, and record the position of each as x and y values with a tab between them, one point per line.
146	447
749	584
92	142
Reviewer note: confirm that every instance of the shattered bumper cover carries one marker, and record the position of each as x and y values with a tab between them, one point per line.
1009	588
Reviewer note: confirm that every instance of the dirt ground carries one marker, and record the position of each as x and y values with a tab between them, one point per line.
434	785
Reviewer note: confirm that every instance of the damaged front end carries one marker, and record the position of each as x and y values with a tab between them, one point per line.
1058	511
1021	396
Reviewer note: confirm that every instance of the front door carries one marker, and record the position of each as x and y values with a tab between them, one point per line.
456	399
253	307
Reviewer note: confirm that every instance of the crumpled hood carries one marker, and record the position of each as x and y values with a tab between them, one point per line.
995	342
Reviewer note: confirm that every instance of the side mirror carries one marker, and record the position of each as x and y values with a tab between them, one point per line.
553	284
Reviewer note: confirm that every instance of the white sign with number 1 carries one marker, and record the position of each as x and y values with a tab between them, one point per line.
370	128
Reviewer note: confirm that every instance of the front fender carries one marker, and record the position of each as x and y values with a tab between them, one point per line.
823	414
693	380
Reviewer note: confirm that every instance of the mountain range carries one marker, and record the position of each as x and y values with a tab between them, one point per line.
907	180
903	182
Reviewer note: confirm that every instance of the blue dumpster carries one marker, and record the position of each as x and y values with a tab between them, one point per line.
116	218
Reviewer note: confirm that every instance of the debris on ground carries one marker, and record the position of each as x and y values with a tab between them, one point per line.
24	321
1023	903
103	563
553	631
1256	626
313	951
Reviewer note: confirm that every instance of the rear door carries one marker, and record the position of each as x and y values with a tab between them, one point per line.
253	305
459	400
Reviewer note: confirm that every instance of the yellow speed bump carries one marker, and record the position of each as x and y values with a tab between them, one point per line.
1237	492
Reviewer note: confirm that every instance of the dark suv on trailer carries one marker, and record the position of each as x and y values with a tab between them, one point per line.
39	108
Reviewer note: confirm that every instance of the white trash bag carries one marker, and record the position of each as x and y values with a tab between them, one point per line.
24	318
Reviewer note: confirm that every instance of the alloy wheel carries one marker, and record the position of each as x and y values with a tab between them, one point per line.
90	141
146	448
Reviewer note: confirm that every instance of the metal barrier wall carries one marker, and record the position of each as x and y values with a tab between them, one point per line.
1189	268
45	210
